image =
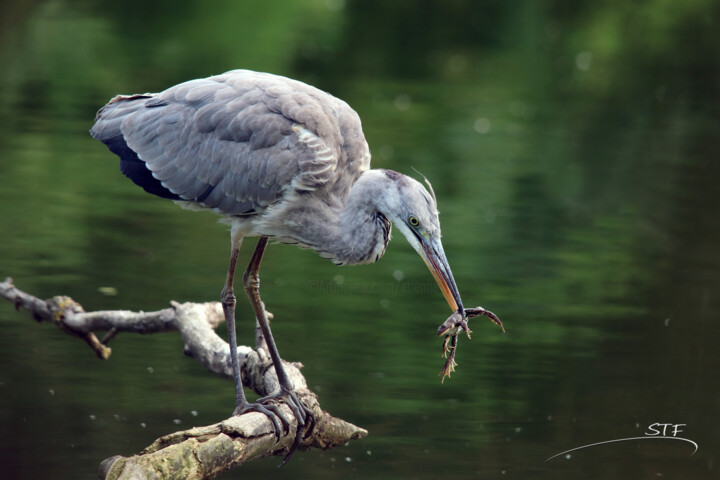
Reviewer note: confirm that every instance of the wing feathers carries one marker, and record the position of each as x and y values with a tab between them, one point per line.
235	142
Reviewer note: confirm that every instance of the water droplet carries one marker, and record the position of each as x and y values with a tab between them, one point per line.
143	424
109	291
482	125
583	61
194	413
398	275
150	369
348	459
177	421
402	102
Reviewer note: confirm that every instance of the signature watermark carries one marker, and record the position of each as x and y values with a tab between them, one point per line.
655	431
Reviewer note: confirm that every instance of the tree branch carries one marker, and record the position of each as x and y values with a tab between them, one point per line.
200	452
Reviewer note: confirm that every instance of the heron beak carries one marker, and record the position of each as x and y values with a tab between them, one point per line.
434	256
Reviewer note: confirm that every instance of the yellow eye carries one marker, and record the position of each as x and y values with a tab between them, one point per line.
413	221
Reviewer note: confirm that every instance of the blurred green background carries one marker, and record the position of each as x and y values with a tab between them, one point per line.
575	151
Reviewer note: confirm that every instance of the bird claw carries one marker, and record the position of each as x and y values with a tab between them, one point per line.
305	417
451	327
268	407
271	411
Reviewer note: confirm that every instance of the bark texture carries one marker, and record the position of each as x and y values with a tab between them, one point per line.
200	452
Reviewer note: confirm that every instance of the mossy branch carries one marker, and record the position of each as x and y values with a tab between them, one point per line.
200	452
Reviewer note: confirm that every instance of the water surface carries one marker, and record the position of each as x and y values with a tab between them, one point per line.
574	153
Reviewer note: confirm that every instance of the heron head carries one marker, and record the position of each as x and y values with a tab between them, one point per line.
413	211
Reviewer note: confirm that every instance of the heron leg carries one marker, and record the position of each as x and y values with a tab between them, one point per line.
251	281
228	304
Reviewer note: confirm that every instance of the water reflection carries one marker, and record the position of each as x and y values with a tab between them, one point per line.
574	159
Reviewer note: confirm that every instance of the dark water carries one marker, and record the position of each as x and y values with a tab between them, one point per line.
574	149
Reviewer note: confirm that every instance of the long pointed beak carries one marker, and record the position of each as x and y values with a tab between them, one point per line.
434	256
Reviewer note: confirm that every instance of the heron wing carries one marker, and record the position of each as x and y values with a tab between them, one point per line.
235	142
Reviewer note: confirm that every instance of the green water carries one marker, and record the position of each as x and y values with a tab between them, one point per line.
574	150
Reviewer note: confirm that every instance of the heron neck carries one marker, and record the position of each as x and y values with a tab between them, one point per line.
348	231
363	231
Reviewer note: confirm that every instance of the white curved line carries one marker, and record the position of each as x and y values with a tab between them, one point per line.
626	439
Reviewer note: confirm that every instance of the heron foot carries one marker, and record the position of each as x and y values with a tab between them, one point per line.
305	417
270	411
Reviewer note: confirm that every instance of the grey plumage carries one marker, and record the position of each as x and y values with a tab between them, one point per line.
276	158
236	142
274	155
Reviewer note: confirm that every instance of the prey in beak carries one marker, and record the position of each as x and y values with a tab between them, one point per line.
452	326
413	209
434	256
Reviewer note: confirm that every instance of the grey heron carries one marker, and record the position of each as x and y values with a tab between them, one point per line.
280	159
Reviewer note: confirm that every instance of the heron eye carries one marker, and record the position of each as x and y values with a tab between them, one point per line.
413	221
